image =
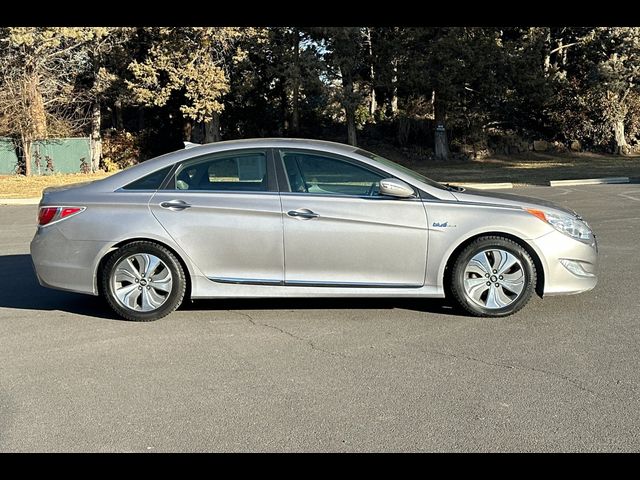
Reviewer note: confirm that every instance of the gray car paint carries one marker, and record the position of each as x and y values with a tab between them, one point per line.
498	198
382	241
356	247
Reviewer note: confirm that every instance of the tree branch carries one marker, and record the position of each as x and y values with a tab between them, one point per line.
563	47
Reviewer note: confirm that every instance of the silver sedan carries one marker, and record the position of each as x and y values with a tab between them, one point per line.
302	218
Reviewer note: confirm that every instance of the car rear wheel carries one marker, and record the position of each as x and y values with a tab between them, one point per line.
143	281
493	277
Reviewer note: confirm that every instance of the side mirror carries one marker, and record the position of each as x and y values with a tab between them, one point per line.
395	188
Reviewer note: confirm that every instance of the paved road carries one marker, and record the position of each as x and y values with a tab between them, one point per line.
326	375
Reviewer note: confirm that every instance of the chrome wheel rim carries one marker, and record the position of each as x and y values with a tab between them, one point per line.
494	279
141	282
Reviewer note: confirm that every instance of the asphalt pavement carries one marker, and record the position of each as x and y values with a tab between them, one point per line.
327	375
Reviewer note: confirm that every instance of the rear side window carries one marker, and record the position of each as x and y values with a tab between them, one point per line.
237	173
149	182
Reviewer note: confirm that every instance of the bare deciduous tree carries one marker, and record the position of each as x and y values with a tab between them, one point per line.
38	95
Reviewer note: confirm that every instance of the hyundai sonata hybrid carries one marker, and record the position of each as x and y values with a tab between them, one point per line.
302	218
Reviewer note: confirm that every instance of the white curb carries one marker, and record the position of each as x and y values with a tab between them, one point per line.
484	186
589	181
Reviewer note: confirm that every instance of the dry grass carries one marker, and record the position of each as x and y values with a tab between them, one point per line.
19	186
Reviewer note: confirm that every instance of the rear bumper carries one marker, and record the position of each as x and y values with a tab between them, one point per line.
65	264
570	266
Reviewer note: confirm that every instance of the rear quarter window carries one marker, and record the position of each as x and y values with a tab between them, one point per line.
151	181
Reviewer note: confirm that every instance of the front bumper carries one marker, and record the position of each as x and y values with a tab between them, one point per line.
570	266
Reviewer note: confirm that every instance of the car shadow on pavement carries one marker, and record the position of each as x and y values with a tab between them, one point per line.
427	305
21	290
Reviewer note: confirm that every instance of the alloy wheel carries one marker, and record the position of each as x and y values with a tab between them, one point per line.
494	278
142	282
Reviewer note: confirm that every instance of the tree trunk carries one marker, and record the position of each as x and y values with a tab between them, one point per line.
351	128
349	105
141	122
35	108
25	144
295	110
373	104
394	88
96	138
558	57
187	127
440	135
547	54
562	54
119	123
37	119
284	106
621	142
212	129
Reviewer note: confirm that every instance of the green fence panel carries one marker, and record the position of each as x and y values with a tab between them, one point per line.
8	157
63	155
54	155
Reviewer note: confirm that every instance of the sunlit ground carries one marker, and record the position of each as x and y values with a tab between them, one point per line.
19	186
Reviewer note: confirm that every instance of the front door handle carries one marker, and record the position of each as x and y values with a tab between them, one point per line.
175	205
302	213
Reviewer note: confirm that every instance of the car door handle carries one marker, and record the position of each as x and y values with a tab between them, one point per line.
302	213
175	205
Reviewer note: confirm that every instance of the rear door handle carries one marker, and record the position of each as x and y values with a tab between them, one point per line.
175	205
303	213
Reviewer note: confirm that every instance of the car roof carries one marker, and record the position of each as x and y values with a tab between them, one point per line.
275	142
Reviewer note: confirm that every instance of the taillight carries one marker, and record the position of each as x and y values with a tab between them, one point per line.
48	215
68	211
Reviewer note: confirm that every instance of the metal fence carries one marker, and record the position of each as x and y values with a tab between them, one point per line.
53	155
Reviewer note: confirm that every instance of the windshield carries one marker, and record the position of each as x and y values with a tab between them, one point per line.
405	170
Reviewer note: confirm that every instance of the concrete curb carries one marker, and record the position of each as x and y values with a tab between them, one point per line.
484	186
589	181
20	201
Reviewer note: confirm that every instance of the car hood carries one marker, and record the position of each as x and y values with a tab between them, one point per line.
508	199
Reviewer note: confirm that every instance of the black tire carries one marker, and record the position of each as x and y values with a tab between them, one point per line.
173	298
457	276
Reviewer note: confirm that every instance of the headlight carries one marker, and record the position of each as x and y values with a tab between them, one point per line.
567	224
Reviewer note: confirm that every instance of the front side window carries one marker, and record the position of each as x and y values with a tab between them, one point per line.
312	173
245	172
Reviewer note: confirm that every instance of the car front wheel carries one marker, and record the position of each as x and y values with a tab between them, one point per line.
493	277
143	281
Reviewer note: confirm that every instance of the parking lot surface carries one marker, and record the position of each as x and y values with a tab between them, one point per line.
327	375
